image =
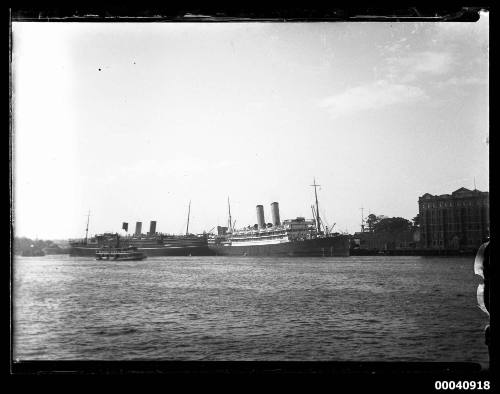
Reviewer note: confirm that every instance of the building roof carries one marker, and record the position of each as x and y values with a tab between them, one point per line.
457	193
461	190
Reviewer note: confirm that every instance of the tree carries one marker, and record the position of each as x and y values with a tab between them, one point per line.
371	221
416	220
22	244
392	225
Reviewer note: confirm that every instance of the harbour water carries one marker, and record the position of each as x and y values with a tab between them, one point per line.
376	308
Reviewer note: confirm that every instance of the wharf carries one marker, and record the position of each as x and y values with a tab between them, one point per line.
412	252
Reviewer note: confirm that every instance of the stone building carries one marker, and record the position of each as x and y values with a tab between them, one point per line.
460	220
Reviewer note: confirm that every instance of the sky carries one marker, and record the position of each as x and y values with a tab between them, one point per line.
132	121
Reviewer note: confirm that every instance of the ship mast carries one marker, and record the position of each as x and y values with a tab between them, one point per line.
362	220
189	212
230	219
317	206
87	229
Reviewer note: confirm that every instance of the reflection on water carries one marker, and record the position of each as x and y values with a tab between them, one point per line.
225	308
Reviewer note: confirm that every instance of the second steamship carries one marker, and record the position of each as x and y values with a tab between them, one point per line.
292	237
152	243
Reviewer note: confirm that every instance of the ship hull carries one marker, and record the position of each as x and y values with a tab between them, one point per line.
150	252
337	246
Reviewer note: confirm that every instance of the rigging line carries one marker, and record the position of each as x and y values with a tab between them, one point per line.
317	205
87	229
189	212
230	219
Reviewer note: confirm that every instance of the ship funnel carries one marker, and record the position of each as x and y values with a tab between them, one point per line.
275	213
260	216
138	228
152	227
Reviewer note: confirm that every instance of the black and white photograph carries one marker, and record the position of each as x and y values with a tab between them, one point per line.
251	191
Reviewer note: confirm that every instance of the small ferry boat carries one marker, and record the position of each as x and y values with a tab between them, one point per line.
128	253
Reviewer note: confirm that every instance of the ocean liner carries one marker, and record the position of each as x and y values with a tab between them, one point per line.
151	243
292	237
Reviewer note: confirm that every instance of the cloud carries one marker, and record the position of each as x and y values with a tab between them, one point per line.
372	96
397	46
431	62
410	67
462	81
177	166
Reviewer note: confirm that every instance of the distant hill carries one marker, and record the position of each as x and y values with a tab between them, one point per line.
28	247
63	243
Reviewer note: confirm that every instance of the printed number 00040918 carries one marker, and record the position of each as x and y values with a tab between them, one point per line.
461	385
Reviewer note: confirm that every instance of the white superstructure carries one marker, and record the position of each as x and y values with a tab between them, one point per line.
277	232
290	230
